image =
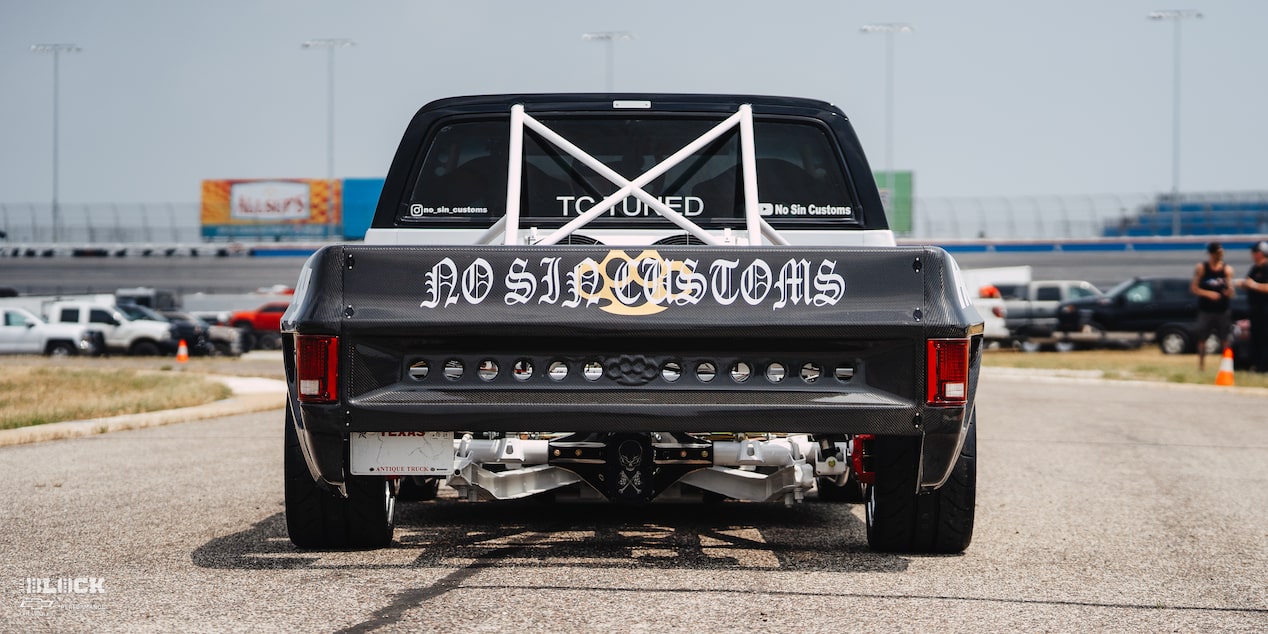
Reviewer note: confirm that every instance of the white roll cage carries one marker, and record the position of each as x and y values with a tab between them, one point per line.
508	227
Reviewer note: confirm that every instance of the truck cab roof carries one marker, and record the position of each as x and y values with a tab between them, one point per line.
578	153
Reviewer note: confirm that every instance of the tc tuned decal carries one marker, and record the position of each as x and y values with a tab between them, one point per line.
643	284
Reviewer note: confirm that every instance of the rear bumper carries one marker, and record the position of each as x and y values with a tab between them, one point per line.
325	429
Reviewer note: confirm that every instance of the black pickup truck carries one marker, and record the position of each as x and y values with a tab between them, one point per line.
733	322
1158	307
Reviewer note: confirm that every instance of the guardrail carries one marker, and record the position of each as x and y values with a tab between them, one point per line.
935	219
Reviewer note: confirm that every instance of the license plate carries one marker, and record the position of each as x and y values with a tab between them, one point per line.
402	453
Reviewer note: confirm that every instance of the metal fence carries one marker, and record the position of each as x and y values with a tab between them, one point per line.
1090	216
965	218
104	223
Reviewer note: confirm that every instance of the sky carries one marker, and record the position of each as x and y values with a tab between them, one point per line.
990	97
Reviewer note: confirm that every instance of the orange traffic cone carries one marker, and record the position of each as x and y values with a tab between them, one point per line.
182	352
1225	376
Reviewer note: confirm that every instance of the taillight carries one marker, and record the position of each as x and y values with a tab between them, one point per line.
861	458
948	376
317	367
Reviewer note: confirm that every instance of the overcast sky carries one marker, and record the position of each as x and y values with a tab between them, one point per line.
991	97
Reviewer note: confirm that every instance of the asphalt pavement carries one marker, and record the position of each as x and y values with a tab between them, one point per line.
1102	506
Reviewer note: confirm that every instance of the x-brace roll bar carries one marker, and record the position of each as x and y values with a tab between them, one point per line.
508	226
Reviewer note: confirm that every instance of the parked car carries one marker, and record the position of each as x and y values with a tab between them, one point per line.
194	334
1031	309
262	326
990	306
1161	308
223	340
22	332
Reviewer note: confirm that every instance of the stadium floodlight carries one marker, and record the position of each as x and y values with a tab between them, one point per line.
611	37
1177	16
330	44
56	50
889	29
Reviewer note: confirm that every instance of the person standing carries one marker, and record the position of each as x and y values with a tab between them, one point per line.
1213	284
1256	286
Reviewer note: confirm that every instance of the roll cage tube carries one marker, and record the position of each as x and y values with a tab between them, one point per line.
508	225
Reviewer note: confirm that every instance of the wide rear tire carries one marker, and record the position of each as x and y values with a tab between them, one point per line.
320	519
901	520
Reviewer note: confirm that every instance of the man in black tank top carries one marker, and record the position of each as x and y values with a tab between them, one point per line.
1213	284
1256	285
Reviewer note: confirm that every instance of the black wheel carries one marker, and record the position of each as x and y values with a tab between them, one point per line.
1173	341
320	519
246	341
415	489
269	341
850	492
144	348
246	336
1213	345
61	349
901	520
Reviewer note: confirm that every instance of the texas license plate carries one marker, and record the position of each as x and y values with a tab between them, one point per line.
402	453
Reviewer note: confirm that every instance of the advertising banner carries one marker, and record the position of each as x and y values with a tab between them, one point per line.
271	209
897	194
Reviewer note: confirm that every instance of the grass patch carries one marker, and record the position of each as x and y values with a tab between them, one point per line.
33	395
1145	364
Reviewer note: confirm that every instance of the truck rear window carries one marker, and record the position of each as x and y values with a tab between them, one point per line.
463	175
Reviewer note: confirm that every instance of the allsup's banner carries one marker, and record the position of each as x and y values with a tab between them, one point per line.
271	209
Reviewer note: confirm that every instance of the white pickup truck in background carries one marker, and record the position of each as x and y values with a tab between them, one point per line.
1030	310
22	332
122	334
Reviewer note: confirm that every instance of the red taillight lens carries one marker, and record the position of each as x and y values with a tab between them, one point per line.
948	376
861	458
317	367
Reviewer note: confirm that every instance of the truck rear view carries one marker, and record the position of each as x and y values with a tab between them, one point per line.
633	299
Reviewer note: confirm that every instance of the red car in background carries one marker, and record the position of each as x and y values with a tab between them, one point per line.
262	327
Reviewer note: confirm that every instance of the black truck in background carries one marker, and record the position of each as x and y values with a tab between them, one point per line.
1161	309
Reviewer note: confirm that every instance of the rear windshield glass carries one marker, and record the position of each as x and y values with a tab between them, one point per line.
463	174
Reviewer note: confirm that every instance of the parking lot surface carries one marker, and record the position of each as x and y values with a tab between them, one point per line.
1149	515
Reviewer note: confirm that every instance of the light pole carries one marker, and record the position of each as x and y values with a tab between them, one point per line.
611	38
889	29
330	44
1177	16
56	50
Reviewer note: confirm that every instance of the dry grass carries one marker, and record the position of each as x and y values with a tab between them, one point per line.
1145	364
36	395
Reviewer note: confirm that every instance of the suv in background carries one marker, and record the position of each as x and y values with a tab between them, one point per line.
1157	307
